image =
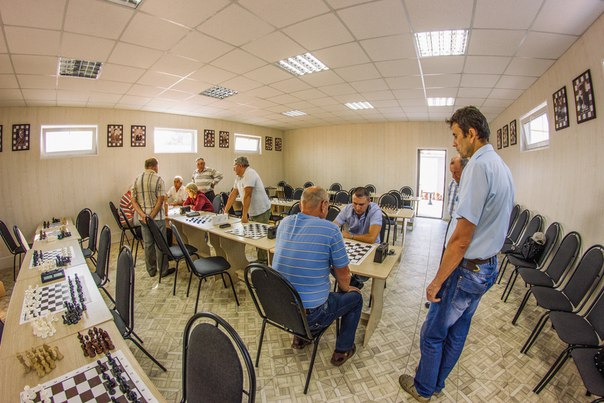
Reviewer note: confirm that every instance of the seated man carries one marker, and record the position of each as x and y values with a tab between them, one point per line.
197	199
362	219
177	193
307	247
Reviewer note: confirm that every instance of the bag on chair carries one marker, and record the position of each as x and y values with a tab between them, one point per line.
533	247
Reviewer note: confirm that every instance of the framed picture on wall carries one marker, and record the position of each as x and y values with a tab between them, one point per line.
0	138
21	137
560	109
268	143
138	136
499	139
513	138
504	136
115	135
585	103
208	138
223	139
278	144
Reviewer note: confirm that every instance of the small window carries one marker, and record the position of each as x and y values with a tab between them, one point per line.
68	141
247	144
534	128
174	141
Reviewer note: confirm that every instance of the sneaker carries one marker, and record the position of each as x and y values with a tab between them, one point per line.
168	272
338	358
406	382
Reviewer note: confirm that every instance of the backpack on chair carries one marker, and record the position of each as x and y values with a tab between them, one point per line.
533	247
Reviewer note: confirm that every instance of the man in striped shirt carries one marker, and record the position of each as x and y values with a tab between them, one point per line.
307	248
206	178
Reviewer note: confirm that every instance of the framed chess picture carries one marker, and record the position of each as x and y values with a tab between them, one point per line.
585	103
115	135
268	143
223	139
504	136
208	138
513	137
560	109
499	139
21	137
278	144
138	136
0	138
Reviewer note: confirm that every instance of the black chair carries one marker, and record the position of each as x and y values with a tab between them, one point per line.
118	221
288	192
513	217
232	211
342	197
593	380
172	253
21	239
137	235
573	296
83	224
370	188
211	362
279	304
204	267
535	225
1	330
90	250
294	209
551	239
281	183
308	184
399	199
217	203
123	312
385	230
335	187
578	332
406	191
101	274
297	195
388	201
517	229
332	213
13	248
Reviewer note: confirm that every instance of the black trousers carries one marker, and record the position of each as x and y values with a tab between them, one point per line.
210	195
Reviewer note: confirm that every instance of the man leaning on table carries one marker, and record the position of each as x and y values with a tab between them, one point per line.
469	265
307	247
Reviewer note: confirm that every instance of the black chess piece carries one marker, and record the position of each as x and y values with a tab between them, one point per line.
102	366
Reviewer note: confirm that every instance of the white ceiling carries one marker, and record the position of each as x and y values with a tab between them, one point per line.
160	56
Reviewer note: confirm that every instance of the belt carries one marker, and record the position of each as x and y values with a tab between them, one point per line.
472	264
309	311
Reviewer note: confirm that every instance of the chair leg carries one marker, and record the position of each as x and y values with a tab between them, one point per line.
144	350
198	291
510	285
223	282
175	277
108	295
562	358
260	342
14	267
522	305
232	286
137	337
312	362
535	333
136	253
504	265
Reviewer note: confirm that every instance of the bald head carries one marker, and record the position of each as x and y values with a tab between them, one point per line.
314	201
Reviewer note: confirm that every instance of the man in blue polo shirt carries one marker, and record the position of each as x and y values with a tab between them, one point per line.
469	265
307	247
361	219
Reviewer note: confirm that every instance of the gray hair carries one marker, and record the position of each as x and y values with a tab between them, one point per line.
312	196
178	177
242	161
199	159
192	187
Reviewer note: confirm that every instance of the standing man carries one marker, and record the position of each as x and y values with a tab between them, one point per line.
362	219
206	178
307	248
456	166
255	202
148	195
469	265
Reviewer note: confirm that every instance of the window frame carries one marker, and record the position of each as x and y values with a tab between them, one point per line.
248	136
44	129
534	114
193	133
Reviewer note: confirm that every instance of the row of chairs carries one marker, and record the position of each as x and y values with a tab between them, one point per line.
567	292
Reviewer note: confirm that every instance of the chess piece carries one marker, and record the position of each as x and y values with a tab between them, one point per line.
24	363
58	353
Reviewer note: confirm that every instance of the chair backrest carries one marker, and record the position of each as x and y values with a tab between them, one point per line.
288	191
535	225
513	216
406	191
94	230
8	238
124	288
564	257
297	195
128	226
294	209
116	216
83	222
159	238
211	362
335	187
388	201
20	238
397	196
586	277
370	188
385	230
281	183
276	300
332	213
595	314
225	198
552	233
308	184
217	203
102	259
183	248
1	330
342	197
519	226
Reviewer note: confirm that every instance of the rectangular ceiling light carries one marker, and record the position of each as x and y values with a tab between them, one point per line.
441	101
79	68
302	64
293	113
218	92
441	43
359	105
129	3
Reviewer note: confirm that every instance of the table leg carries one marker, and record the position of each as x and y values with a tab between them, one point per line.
195	237
234	253
374	316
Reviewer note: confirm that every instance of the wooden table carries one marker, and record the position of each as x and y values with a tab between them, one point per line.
27	272
53	231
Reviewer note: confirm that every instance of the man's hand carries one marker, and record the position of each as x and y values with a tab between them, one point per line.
346	234
143	219
431	291
351	288
244	218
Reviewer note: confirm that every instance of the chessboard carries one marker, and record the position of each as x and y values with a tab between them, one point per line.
51	255
50	299
93	383
200	219
357	252
251	230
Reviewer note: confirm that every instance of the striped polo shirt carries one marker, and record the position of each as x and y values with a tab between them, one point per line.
206	178
307	247
147	188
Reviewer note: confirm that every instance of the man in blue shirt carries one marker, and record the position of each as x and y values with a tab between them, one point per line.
307	247
362	219
469	265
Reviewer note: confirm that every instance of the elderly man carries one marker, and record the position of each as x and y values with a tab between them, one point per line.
177	193
456	167
148	195
206	178
307	247
469	265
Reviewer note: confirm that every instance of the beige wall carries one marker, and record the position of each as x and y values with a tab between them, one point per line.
33	190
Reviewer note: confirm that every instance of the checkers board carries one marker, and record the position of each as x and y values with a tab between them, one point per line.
199	219
357	252
250	230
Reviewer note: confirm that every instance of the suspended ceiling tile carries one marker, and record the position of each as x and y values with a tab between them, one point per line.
114	72
320	32
43	65
545	45
515	82
509	14
211	74
235	25
495	42
370	85
274	47
390	47
238	61
200	47
442	80
486	64
157	79
479	80
285	12
394	68
404	82
342	55
442	64
85	47
190	13
291	85
33	13
134	56
528	67
378	18
97	18
437	15
357	73
37	81
152	32
268	74
577	15
176	65
474	92
8	81
32	41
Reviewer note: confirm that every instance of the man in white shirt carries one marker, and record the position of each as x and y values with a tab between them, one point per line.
177	193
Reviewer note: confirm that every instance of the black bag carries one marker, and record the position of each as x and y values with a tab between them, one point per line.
599	360
531	250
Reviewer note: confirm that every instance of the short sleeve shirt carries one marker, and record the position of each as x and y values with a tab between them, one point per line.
147	188
260	202
360	225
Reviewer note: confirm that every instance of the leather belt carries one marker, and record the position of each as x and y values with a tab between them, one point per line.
472	264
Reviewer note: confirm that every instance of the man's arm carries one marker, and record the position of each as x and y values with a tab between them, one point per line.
216	178
159	203
246	200
231	200
369	237
342	276
141	214
456	249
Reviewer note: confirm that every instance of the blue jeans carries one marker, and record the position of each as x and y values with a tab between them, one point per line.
345	305
447	324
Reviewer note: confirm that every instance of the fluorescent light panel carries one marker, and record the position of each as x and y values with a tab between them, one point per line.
441	101
302	64
359	105
218	92
441	43
128	3
79	68
293	113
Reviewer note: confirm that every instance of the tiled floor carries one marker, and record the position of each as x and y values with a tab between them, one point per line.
491	368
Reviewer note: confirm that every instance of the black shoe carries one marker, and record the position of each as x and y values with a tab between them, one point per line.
168	273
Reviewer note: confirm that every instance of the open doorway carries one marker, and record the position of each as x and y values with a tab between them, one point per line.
431	182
